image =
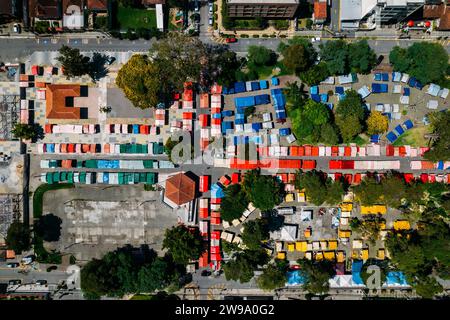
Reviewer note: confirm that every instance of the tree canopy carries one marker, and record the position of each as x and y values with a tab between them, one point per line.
183	244
272	278
74	64
255	232
139	80
317	274
440	126
350	115
377	123
261	56
318	189
18	237
263	191
234	203
426	61
244	263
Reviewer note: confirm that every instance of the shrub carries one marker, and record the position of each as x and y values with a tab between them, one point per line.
256	36
244	36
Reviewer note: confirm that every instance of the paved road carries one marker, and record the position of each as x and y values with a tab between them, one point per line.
16	50
335	15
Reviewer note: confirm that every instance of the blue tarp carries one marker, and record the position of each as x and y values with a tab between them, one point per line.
419	85
278	98
315	97
284	132
391	137
135	128
217	191
239	121
255	86
108	164
394	278
262	99
281	114
406	92
256	139
226	125
275	81
385	76
295	277
399	130
240	115
224	90
339	90
379	88
377	77
50	148
106	177
324	98
375	138
440	165
356	271
263	84
239	87
256	126
241	140
314	90
244	101
216	116
227	113
408	124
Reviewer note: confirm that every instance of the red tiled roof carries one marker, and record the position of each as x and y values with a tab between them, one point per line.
180	189
56	101
441	12
45	9
97	4
320	10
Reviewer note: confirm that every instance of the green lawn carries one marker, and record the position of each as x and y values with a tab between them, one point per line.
136	18
413	137
141	297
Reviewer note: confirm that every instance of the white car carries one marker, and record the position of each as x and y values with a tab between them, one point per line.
210	21
210	7
16	28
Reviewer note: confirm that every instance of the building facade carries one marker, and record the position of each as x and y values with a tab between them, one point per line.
262	8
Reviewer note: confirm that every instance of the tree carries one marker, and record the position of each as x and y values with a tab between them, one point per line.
18	237
427	287
295	94
361	57
24	131
243	265
296	59
263	191
261	56
183	244
153	277
335	192
329	134
177	3
369	228
316	74
255	232
97	69
49	227
234	203
271	278
313	183
377	123
440	126
317	274
74	64
426	61
394	190
335	54
350	115
139	80
369	192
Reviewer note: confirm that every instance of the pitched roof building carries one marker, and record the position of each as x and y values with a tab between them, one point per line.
320	11
180	189
45	9
97	5
439	12
60	101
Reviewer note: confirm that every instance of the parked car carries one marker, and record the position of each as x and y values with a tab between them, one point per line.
28	259
231	40
110	60
51	268
206	273
210	21
41	282
12	264
14	282
210	8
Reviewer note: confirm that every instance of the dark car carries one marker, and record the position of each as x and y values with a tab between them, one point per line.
206	273
231	40
14	282
41	282
110	60
51	268
12	264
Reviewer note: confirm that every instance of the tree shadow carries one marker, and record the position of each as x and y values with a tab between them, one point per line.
49	227
39	132
97	68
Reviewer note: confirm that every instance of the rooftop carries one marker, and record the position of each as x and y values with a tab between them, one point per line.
320	10
57	98
180	189
97	4
45	9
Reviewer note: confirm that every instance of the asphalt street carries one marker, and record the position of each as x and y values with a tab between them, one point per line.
18	50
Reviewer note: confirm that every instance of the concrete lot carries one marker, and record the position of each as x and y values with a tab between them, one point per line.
11	175
98	219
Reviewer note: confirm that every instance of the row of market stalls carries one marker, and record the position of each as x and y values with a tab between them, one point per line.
153	148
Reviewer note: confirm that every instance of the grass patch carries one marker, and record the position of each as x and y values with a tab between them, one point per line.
142	297
360	140
42	255
413	137
136	18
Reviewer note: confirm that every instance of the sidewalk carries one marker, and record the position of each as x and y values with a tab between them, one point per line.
68	35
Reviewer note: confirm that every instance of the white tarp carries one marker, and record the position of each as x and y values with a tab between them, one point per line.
159	17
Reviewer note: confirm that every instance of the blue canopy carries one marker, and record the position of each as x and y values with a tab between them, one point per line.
440	165
408	124
227	113
263	84
399	130
275	81
385	76
377	77
375	138
135	128
239	121
406	92
284	132
262	99
217	191
239	87
412	82
278	98
391	137
226	125
108	164
295	277
394	278
244	101
255	86
324	98
106	177
216	116
315	97
281	114
314	90
357	265
339	90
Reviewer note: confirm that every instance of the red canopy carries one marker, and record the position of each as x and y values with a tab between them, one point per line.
410	23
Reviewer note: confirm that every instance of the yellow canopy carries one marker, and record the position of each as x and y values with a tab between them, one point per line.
365	254
355	254
402	225
281	255
319	256
291	247
307	233
340	256
344	233
301	197
346	206
332	245
301	246
375	209
381	254
329	255
289	197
